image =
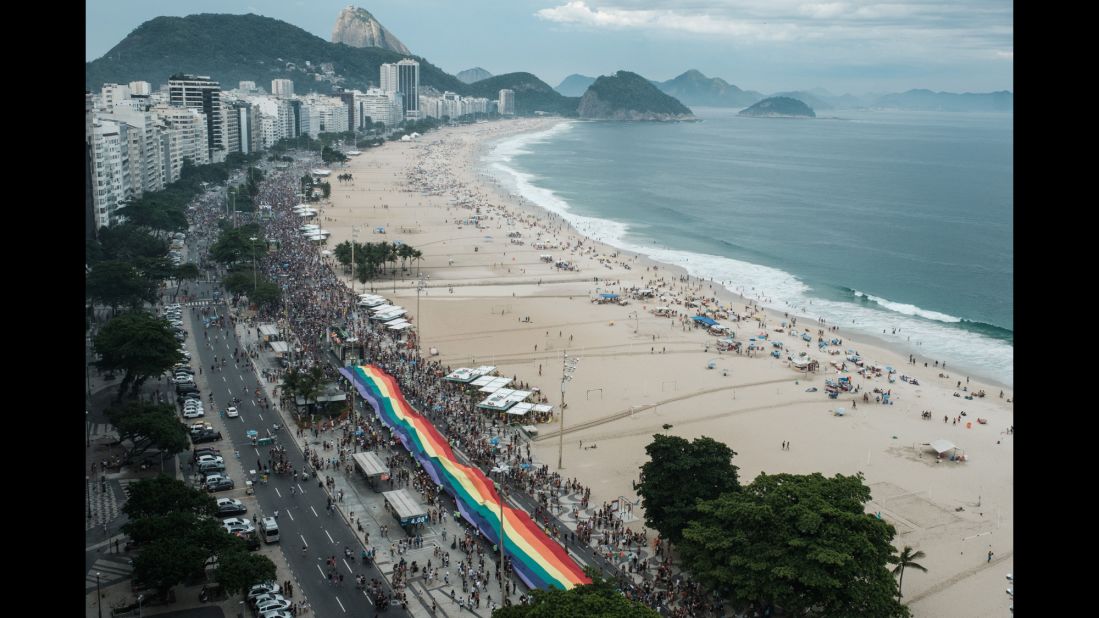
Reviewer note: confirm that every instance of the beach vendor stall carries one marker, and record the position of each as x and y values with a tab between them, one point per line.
942	447
372	467
405	507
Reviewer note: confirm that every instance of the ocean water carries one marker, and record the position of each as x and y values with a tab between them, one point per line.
872	220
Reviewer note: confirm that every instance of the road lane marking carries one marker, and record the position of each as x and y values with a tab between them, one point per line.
341	605
303	541
314	512
368	597
330	539
278	492
288	514
349	569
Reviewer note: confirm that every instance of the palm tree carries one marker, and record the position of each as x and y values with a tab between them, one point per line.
907	559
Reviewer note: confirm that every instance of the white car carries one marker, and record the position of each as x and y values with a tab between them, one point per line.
193	413
266	598
262	589
232	412
239	524
276	613
273	605
209	459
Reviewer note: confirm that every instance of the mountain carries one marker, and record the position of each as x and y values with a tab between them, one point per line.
807	98
358	28
1002	101
574	85
779	107
531	94
233	48
628	96
694	88
475	74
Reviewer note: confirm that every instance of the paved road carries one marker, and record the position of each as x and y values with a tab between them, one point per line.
303	519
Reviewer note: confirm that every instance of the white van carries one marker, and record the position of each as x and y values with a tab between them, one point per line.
269	529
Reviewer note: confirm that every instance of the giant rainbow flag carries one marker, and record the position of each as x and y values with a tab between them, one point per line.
539	561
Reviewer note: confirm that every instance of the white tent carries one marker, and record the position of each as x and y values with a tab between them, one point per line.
941	446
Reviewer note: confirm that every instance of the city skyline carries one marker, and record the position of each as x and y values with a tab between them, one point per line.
860	47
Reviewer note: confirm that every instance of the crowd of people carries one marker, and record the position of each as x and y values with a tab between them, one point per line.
313	300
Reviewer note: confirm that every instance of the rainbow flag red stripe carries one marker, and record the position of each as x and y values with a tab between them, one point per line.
540	561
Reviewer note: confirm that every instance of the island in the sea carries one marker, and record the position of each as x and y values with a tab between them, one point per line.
779	107
628	96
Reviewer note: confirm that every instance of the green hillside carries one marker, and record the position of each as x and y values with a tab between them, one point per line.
531	94
233	48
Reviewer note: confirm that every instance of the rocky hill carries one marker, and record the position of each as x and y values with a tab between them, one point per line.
475	74
358	28
233	48
628	96
779	107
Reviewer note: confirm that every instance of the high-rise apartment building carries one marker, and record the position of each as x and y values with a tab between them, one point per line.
111	170
203	94
282	88
404	79
143	89
507	102
187	139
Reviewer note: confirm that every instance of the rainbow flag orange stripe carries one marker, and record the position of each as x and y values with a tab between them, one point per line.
540	561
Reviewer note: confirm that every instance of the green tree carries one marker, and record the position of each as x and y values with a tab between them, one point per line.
906	560
147	425
238	570
678	475
163	495
117	284
266	293
802	543
126	242
598	598
139	344
326	189
166	562
186	271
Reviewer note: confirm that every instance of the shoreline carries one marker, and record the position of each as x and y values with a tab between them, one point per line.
490	299
721	291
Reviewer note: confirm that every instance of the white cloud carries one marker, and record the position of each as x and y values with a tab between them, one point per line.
1006	55
932	26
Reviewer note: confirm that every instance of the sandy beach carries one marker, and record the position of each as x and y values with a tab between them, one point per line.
490	299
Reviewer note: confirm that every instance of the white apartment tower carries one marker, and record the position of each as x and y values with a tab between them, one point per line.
111	170
283	88
507	102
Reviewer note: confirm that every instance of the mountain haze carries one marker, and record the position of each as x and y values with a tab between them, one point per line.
358	28
475	74
575	85
694	88
926	100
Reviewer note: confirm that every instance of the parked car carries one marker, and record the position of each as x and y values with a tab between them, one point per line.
230	506
273	605
211	466
217	482
238	524
263	588
194	413
209	458
265	598
205	450
206	435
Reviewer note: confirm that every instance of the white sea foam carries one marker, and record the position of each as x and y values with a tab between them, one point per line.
924	332
909	309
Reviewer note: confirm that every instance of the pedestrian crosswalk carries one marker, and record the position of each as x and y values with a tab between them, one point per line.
111	568
202	302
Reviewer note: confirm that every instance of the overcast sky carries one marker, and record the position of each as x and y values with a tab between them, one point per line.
855	46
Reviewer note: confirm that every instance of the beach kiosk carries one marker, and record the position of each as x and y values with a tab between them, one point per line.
404	506
372	467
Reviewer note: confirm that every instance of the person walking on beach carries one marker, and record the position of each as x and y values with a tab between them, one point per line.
989	556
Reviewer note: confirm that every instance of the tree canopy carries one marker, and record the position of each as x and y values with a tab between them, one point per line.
239	570
677	475
148	425
802	543
598	598
117	284
141	345
163	495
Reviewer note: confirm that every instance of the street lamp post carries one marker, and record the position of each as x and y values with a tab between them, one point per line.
140	598
503	572
98	595
354	236
566	374
255	279
88	482
421	285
